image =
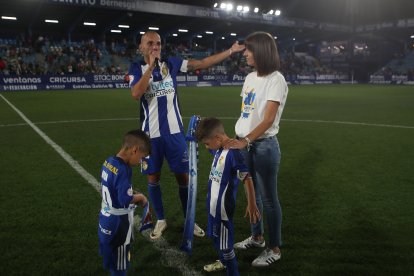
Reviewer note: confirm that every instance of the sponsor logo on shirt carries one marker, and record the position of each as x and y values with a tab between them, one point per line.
215	175
159	89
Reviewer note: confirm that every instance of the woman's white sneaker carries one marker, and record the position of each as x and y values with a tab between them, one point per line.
249	243
266	258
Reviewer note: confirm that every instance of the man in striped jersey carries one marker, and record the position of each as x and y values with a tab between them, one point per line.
154	82
116	217
226	171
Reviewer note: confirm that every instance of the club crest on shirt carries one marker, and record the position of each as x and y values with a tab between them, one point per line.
144	165
164	70
130	192
220	161
185	156
131	79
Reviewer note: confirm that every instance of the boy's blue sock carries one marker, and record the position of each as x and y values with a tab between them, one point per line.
230	261
183	191
155	195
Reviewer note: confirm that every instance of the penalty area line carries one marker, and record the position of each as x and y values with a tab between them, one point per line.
171	257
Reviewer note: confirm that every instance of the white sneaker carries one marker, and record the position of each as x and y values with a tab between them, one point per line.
216	266
198	232
160	226
249	243
266	258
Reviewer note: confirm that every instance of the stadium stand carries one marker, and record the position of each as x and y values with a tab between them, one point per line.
310	50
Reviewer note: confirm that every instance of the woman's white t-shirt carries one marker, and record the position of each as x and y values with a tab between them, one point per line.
256	92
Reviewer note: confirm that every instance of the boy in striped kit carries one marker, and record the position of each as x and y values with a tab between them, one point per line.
227	170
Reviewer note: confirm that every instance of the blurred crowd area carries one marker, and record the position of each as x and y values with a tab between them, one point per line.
43	55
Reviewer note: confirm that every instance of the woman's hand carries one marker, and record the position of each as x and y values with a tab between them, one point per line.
235	144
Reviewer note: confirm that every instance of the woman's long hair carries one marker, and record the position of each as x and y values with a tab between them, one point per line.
265	54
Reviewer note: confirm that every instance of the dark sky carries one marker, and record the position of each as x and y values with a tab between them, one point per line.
335	11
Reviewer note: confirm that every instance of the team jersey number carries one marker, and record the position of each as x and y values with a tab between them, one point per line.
106	199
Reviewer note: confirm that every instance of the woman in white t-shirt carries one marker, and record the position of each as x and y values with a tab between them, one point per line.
264	95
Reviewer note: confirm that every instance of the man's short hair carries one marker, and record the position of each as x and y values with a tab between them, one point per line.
138	138
208	127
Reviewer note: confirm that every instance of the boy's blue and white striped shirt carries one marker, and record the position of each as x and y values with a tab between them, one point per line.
227	169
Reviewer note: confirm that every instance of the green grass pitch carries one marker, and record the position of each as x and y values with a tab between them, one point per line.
346	189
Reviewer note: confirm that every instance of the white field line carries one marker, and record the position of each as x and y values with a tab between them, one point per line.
346	123
221	118
171	257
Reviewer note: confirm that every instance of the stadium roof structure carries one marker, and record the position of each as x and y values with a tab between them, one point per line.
302	19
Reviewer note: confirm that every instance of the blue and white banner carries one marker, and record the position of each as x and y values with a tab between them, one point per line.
107	81
59	82
391	79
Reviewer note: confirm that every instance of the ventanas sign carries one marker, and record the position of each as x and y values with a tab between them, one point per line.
59	82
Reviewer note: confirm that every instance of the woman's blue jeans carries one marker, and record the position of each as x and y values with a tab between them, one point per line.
263	159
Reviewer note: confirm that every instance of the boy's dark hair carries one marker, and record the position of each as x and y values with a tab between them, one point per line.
265	54
208	127
138	138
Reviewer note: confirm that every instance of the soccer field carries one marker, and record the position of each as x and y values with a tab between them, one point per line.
346	182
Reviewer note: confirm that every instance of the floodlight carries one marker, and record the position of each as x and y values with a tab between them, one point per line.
116	31
89	23
215	5
246	9
412	36
277	12
208	32
183	30
153	28
141	32
223	6
239	8
123	26
199	36
8	17
175	34
256	10
223	37
51	21
229	7
233	34
271	12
